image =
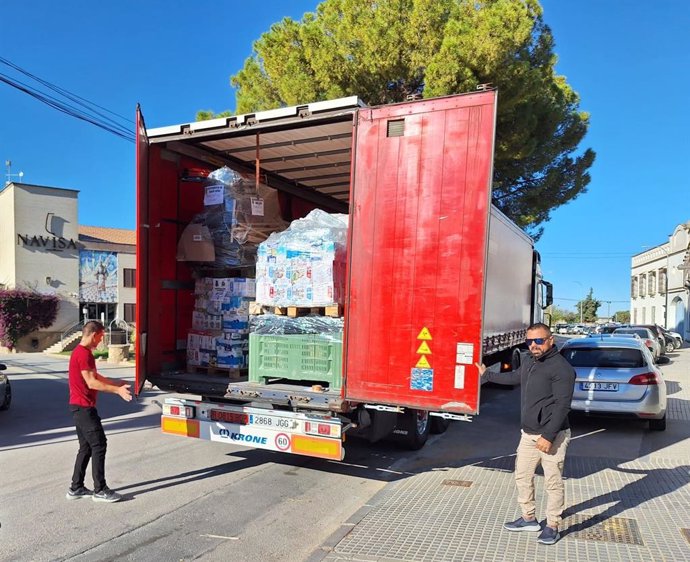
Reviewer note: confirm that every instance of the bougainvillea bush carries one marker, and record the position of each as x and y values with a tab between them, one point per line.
22	312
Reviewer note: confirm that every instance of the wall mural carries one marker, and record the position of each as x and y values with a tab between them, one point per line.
97	276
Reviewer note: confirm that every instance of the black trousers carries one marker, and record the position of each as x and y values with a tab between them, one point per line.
92	447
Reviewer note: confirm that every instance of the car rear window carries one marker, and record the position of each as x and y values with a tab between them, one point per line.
642	332
604	357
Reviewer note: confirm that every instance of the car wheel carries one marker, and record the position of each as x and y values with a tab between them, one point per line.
658	425
7	400
670	348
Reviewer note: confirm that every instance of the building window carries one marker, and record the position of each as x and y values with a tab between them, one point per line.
653	318
634	316
130	312
130	277
644	315
663	281
634	287
651	283
643	285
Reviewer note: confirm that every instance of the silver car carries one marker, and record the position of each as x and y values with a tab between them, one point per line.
617	376
647	337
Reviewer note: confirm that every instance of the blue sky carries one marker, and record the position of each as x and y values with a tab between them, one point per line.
628	60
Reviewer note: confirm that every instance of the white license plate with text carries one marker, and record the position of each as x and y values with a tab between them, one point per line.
606	386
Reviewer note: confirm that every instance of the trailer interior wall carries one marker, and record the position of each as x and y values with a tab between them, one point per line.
509	283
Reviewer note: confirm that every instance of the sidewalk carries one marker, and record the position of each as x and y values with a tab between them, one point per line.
625	503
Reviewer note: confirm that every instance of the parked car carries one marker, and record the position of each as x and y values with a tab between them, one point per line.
656	330
5	389
647	337
677	338
561	329
609	328
617	375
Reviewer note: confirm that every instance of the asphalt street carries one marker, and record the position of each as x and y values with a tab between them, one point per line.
196	500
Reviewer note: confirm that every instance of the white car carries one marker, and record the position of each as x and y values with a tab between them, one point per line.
647	337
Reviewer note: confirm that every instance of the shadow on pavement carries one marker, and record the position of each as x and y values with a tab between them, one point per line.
654	484
39	413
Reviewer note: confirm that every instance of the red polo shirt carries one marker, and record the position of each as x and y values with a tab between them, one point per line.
80	394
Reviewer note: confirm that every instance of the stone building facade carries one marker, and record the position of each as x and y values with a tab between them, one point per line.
43	248
660	284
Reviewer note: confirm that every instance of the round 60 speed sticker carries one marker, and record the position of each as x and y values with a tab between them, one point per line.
283	441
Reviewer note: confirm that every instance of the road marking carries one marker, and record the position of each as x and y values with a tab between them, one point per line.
221	537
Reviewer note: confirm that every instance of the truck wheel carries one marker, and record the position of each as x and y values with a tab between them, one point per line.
418	425
515	360
439	425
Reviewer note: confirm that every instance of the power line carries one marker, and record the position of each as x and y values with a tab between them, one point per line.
85	112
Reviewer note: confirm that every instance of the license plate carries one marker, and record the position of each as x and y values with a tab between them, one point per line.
606	386
271	422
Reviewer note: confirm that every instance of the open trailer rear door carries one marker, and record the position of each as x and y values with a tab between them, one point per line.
142	183
420	207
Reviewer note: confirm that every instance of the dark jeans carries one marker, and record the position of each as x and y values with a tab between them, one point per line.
92	446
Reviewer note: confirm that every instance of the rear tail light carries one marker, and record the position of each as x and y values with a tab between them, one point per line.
179	411
325	429
644	379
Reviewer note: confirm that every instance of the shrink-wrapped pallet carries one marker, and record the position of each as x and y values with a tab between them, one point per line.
304	265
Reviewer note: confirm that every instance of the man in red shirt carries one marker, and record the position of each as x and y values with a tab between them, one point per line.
84	384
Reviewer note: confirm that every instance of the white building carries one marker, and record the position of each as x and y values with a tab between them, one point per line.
660	284
43	248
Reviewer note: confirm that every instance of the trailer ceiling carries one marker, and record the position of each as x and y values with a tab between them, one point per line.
304	150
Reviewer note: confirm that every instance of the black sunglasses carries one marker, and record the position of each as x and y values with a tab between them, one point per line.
538	341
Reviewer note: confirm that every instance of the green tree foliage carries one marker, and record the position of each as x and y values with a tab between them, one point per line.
622	316
562	316
588	307
385	50
22	312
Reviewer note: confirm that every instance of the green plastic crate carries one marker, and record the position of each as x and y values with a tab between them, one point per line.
308	357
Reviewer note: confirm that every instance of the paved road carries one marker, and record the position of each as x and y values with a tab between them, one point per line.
191	500
186	499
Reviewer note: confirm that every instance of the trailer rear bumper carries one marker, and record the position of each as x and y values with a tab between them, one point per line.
308	434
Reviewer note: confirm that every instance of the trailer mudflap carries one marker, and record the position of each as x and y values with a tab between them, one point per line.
301	433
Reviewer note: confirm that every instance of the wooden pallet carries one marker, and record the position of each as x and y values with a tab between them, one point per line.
230	372
334	311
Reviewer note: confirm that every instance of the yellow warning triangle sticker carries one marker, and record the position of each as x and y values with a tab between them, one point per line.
424	349
424	334
423	363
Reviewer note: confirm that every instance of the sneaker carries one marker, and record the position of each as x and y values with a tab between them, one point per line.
549	536
522	524
80	492
106	495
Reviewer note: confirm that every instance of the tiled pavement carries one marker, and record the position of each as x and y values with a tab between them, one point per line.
623	505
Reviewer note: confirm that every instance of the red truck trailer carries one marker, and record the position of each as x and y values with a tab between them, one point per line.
437	278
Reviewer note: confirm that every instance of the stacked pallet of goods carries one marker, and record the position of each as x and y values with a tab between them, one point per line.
220	323
302	271
220	245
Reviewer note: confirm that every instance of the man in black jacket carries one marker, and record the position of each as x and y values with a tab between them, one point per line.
547	382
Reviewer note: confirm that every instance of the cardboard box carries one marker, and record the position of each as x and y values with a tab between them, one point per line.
196	244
